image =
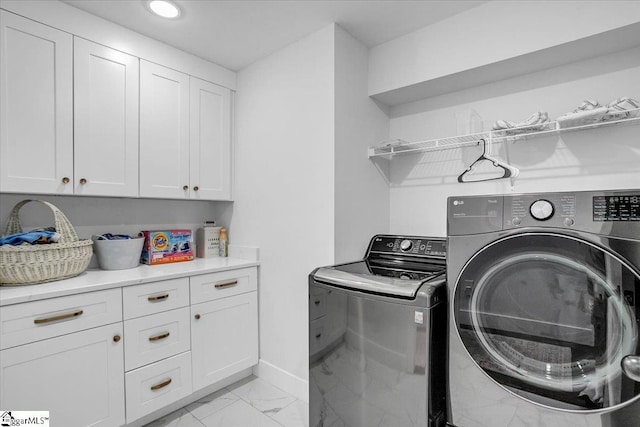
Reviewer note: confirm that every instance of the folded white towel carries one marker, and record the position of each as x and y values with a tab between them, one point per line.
590	111
587	104
536	121
619	108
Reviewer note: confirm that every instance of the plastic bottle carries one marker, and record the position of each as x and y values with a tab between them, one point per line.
224	242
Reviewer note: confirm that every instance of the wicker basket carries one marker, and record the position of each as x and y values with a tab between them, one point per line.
31	264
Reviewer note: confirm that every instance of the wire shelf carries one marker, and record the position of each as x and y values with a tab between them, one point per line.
397	146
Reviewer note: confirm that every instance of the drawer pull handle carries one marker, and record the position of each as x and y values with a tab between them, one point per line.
158	298
159	336
197	316
58	317
317	302
318	336
226	284
161	385
116	338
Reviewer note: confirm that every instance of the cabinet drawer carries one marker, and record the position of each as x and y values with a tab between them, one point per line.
317	305
151	298
155	337
157	385
208	287
317	337
38	320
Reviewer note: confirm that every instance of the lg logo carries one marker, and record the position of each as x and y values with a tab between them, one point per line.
458	202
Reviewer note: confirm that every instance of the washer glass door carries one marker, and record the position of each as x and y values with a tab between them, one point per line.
551	318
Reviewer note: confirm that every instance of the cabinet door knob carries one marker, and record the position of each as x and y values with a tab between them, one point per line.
116	338
196	188
197	316
83	181
185	187
65	180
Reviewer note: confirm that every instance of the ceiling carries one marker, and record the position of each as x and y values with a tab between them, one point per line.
236	33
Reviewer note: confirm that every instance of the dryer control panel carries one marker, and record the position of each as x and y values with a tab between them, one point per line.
549	210
611	213
616	208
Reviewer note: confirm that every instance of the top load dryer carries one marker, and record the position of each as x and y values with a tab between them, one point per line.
544	309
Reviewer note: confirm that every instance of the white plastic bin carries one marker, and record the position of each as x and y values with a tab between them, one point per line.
118	254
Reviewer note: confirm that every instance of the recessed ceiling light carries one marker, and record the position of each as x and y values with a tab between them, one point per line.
164	8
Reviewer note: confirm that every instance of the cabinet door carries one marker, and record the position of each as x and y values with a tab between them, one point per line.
36	133
224	338
105	121
164	132
78	378
210	141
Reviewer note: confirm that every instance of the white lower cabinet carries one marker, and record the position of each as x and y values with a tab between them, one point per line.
76	377
157	343
78	356
224	337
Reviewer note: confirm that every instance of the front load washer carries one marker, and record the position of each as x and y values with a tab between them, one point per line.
544	311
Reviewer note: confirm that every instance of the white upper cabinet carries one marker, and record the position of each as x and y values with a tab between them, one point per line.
79	117
36	133
185	136
210	140
164	132
105	121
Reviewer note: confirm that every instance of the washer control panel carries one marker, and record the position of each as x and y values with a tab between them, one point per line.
409	245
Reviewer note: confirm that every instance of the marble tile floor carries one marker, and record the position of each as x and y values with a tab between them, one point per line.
251	402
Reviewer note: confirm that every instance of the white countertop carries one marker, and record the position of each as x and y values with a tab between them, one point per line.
96	280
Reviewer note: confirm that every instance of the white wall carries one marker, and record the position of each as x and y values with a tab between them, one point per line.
284	192
607	158
361	193
495	32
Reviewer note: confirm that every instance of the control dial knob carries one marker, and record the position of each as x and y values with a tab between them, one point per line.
541	210
406	245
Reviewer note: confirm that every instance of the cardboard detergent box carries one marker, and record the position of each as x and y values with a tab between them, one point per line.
165	246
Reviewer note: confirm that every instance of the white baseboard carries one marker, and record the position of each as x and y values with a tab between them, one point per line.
292	384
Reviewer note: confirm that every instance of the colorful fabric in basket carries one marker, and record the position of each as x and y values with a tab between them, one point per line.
34	237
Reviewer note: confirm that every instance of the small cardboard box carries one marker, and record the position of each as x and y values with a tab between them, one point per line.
165	246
